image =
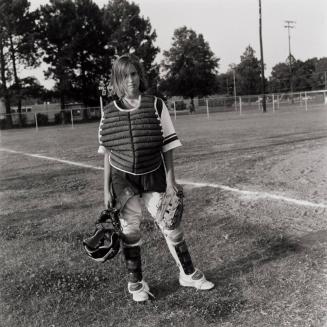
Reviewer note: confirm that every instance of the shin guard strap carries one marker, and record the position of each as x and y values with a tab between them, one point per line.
133	263
184	257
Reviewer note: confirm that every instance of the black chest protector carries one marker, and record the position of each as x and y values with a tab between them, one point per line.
134	137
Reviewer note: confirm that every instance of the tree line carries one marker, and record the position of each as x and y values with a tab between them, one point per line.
79	41
307	75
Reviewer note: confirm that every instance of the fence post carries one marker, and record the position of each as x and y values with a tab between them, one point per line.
306	101
208	115
71	117
259	103
240	100
175	109
36	124
273	101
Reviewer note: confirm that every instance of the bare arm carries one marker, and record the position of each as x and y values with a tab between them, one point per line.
170	173
108	197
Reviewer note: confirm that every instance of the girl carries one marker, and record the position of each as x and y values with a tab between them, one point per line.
137	139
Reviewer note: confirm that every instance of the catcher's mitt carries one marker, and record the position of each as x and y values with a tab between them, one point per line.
170	211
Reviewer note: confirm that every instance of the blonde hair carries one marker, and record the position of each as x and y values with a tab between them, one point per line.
120	69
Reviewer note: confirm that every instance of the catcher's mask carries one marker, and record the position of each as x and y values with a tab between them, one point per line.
104	244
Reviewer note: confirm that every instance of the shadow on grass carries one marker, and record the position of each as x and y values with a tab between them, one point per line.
267	249
230	299
260	245
29	223
165	289
61	281
65	179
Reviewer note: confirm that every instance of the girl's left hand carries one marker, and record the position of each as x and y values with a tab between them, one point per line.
173	188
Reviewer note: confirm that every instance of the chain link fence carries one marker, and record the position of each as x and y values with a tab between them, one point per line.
36	117
51	114
252	103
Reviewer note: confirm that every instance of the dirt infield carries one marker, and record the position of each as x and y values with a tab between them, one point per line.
267	256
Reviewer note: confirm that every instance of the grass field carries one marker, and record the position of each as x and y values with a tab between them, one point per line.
266	255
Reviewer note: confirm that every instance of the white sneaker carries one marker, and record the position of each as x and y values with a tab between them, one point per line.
196	280
140	291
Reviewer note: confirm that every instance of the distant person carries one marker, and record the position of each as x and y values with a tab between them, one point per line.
137	138
191	107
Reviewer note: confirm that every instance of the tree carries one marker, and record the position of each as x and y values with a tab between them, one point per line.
303	74
307	75
249	73
17	42
190	66
79	42
320	76
283	74
55	28
312	74
3	70
127	32
88	46
32	89
225	83
280	78
72	37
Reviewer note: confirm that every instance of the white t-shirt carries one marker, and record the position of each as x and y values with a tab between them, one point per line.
171	140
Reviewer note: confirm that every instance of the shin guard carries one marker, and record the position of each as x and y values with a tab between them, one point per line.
184	257
133	263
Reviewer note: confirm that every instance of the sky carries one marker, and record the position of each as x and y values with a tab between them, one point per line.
229	26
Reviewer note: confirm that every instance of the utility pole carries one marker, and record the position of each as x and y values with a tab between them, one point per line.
235	105
263	91
290	24
233	68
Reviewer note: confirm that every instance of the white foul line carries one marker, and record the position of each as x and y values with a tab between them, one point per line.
253	194
74	163
257	195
